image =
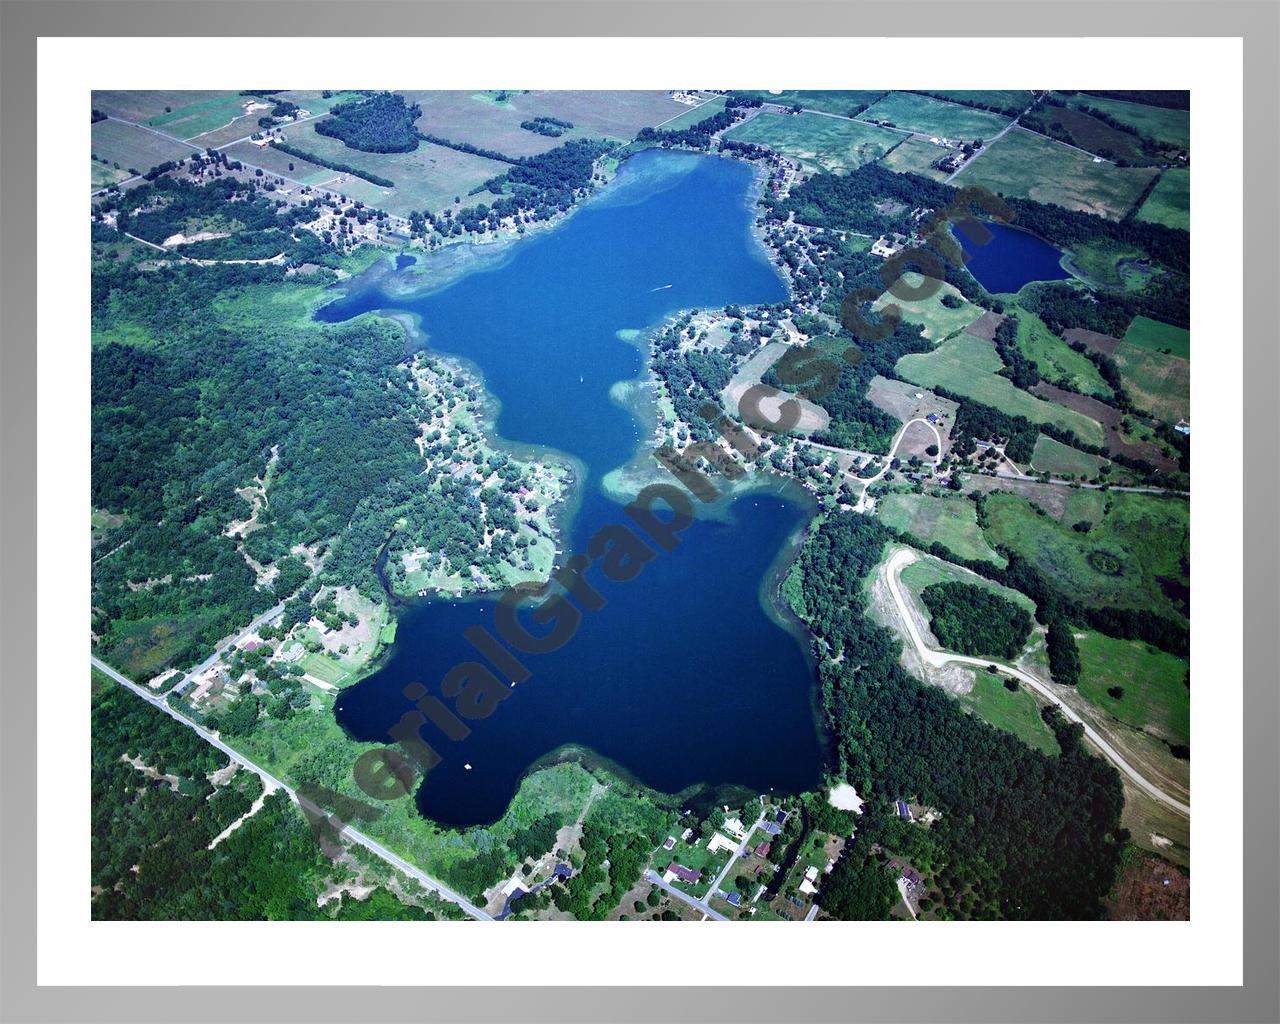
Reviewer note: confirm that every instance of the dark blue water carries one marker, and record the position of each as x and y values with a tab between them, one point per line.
1011	259
683	678
405	260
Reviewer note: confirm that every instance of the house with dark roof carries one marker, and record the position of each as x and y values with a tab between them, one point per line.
762	850
683	873
904	812
734	898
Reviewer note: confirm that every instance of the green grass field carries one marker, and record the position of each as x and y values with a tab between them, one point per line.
1007	99
939	321
1160	384
101	175
427	179
1159	123
133	147
323	668
692	115
950	521
817	141
275	161
969	366
1170	201
1054	457
1140	541
475	118
1111	265
1156	698
614	114
1028	165
935	117
142	104
205	115
1056	359
916	156
1159	337
1015	712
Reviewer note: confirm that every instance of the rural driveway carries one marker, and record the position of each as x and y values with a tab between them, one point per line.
903	557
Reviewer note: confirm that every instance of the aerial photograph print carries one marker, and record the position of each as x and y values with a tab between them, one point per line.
669	505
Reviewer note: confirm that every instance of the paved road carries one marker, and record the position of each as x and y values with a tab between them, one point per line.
733	858
355	836
904	557
652	876
226	645
987	143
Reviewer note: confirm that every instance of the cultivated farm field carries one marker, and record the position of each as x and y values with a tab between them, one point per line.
931	116
479	120
429	178
916	156
275	161
970	366
1159	337
134	147
1160	123
142	104
938	320
612	114
816	140
1025	164
1170	201
1160	384
1155	696
950	521
1061	460
1056	359
1012	101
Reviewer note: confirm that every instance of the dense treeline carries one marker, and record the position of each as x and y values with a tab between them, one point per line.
698	136
155	813
1166	298
552	127
1017	367
166	207
537	187
978	422
334	165
382	123
1023	835
1174	99
972	620
467	147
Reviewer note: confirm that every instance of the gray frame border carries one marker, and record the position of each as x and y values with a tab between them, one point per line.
1256	21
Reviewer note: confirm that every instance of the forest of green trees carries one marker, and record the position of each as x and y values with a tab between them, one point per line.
382	123
149	852
972	620
1023	834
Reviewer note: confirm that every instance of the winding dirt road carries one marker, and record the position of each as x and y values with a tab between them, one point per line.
903	557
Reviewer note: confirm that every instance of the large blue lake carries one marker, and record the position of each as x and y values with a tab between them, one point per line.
1011	259
686	678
